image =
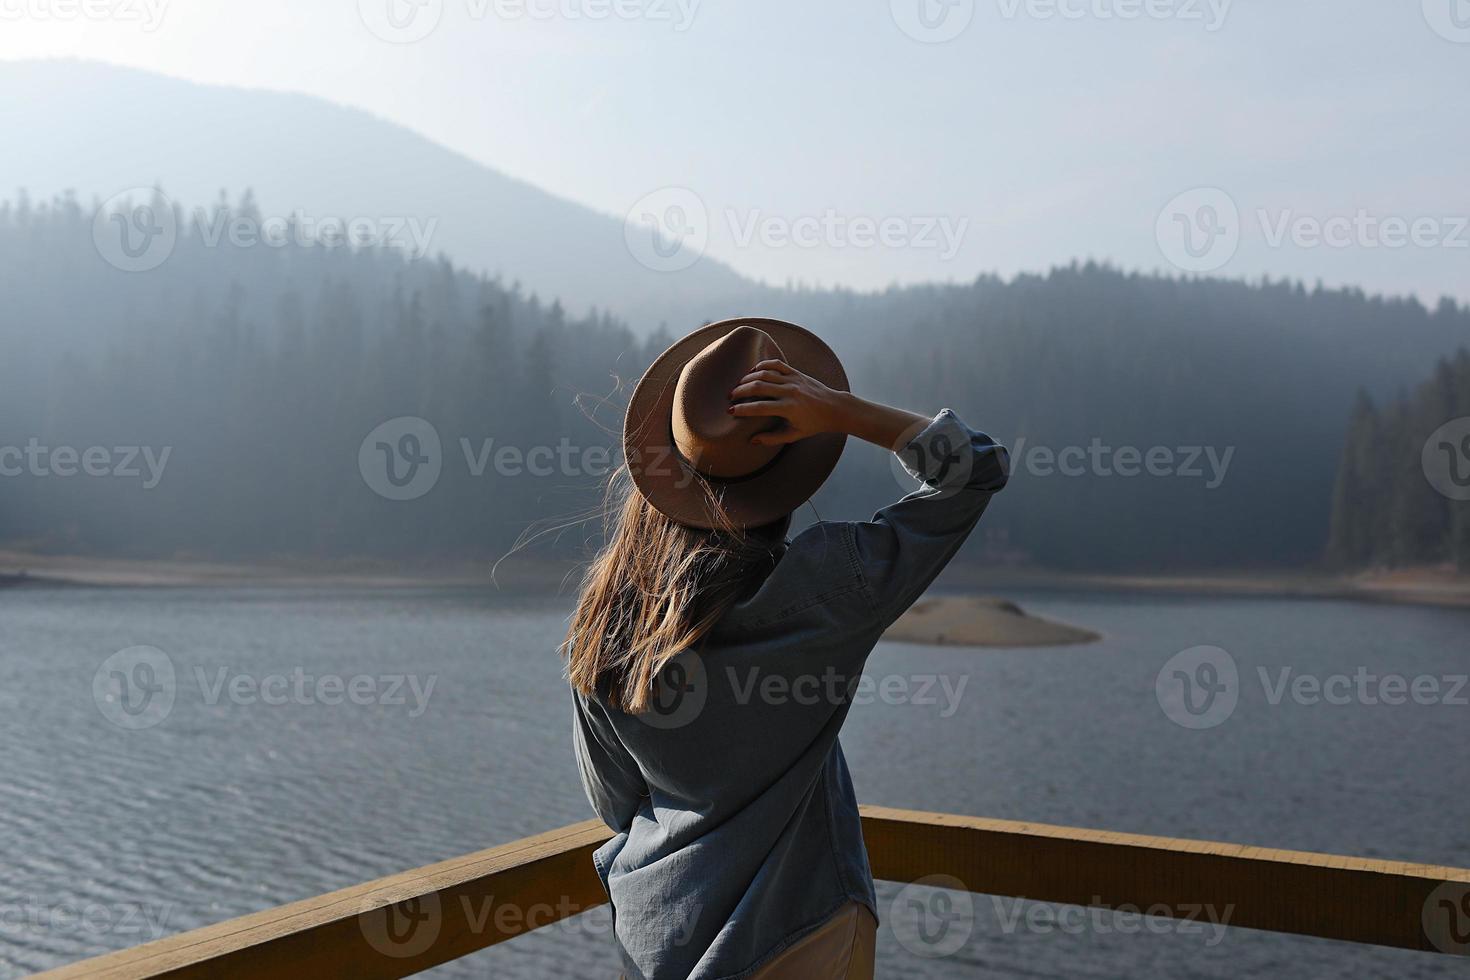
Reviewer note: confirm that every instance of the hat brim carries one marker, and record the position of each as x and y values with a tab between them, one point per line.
775	491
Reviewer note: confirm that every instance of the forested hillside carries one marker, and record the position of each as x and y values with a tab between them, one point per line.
1086	354
342	162
262	370
1403	487
1157	422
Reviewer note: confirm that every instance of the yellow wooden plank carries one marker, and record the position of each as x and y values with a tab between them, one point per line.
405	923
391	927
1365	900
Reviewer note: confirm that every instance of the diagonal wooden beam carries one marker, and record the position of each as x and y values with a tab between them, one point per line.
405	923
391	927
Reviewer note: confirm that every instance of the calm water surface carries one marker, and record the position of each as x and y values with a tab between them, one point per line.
228	805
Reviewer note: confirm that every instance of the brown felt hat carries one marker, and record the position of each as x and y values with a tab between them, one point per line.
678	430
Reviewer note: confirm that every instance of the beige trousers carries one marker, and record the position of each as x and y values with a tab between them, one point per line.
839	949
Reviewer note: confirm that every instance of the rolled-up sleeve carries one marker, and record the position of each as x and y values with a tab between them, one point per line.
908	543
610	777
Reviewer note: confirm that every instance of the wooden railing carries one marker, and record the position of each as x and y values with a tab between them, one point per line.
399	925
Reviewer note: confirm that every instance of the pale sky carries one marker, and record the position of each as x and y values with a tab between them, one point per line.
1039	132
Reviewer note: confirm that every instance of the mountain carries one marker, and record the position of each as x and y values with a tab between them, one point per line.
1157	421
232	400
98	130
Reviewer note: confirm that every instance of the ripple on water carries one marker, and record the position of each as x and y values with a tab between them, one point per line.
227	808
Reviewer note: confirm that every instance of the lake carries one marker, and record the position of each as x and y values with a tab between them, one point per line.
290	755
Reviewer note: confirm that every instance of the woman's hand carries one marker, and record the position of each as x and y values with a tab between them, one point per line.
810	408
807	406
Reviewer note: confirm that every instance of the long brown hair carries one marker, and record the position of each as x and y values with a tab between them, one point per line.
655	589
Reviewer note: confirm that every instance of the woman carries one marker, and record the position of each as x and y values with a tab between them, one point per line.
713	662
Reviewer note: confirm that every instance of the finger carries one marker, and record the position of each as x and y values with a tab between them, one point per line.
773	364
770	406
780	437
758	389
775	377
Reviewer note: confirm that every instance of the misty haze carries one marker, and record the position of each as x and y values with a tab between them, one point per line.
319	332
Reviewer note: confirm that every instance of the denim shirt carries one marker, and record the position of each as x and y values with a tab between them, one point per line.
737	828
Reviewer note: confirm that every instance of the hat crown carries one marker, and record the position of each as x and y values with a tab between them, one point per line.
707	436
755	485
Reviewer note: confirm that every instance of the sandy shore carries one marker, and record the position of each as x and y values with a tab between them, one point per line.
1427	586
514	574
980	621
1424	586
